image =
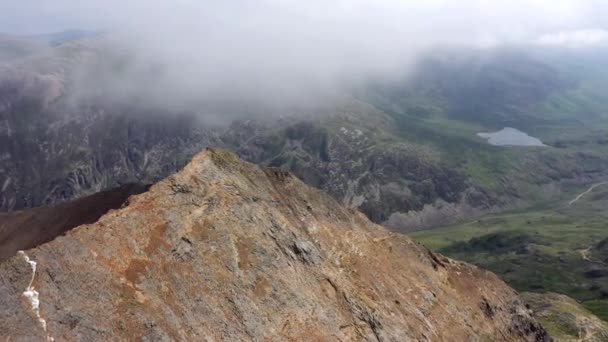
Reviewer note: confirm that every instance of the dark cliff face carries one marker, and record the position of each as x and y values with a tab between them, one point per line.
346	156
53	149
227	250
52	156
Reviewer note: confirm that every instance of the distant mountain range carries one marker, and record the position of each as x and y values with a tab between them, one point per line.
404	152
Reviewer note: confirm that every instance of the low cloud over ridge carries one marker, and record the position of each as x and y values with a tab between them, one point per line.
280	51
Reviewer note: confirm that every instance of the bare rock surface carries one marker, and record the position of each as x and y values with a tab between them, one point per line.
227	250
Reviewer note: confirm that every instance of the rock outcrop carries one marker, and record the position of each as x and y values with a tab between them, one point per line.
227	250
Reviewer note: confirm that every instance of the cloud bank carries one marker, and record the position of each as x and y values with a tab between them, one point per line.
283	51
575	38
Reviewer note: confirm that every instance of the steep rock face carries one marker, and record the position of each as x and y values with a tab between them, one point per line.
57	144
346	151
51	154
55	147
228	250
352	155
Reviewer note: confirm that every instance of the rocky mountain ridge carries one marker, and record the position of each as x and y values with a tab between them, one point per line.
225	249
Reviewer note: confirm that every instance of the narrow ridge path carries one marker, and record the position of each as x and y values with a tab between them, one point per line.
586	192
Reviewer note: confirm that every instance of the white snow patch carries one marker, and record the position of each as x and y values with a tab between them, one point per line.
33	296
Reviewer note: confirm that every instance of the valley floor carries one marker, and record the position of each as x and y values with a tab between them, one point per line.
559	246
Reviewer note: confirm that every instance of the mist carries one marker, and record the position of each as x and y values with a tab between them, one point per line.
269	55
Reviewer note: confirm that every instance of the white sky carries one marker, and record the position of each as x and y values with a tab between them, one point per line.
503	18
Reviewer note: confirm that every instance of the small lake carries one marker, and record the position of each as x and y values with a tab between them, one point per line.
511	137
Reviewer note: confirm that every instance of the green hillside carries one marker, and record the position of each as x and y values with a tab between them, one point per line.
556	247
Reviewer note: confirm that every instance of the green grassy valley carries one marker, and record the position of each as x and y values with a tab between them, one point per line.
555	96
558	246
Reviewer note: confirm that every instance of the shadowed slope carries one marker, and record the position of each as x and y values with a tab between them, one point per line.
27	229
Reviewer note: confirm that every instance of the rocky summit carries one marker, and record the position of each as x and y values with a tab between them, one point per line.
227	250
